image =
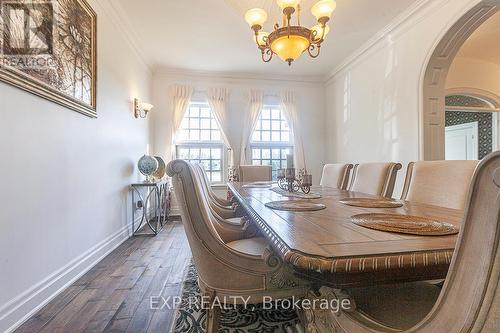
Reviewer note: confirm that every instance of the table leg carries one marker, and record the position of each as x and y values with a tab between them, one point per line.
327	306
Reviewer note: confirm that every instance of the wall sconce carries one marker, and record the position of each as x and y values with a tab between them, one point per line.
141	109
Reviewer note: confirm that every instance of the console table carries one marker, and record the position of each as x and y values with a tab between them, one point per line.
155	198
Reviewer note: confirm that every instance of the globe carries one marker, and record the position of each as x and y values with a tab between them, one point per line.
147	165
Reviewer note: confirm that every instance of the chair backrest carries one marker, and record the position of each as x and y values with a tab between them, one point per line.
336	175
469	301
254	173
440	183
204	180
375	178
203	238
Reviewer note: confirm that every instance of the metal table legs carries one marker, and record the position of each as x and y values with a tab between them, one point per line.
154	209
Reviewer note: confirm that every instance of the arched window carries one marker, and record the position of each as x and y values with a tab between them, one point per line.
272	139
200	141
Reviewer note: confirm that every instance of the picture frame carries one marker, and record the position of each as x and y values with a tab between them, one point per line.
49	48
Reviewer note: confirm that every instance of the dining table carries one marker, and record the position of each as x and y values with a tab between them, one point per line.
326	247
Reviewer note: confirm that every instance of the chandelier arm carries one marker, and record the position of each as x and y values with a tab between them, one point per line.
314	50
323	32
312	38
267	52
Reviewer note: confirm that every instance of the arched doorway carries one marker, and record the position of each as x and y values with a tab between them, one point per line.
432	129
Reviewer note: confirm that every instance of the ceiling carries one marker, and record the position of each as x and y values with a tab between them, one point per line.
212	35
484	43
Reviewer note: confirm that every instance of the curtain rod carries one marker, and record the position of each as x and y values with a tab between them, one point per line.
268	94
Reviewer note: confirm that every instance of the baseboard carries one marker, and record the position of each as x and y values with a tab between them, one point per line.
15	312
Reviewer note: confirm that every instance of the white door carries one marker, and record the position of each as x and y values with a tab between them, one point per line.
462	142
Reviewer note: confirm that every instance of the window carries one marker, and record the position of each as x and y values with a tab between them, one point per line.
271	140
199	140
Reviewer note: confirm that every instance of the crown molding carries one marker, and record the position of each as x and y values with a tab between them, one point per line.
277	78
117	15
408	17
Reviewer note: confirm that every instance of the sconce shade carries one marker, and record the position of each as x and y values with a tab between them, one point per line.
323	8
147	107
256	17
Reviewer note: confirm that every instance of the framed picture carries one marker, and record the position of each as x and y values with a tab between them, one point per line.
48	47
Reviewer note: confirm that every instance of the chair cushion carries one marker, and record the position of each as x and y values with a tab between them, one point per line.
237	221
252	246
400	306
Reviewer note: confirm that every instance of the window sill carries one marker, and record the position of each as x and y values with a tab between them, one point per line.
219	186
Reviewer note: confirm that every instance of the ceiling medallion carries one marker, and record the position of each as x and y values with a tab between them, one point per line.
290	41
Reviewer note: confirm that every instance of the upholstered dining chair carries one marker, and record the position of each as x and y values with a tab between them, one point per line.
375	178
469	300
336	175
440	183
254	173
244	268
222	207
220	201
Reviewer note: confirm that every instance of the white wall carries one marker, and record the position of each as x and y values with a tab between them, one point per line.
373	102
65	178
310	96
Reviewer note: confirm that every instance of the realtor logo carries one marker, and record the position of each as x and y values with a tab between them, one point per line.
27	27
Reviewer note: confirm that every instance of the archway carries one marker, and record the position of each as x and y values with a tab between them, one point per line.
432	129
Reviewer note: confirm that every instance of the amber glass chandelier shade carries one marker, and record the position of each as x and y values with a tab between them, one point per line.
290	48
323	8
288	3
261	39
256	17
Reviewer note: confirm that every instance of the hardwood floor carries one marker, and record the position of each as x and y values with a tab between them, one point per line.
115	295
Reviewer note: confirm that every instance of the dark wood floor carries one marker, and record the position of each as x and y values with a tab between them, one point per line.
114	296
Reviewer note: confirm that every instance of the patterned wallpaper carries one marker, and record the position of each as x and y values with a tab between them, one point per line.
464	100
485	130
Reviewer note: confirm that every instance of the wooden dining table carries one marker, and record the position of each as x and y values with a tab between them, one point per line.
325	246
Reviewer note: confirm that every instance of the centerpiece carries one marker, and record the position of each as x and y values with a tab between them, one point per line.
288	181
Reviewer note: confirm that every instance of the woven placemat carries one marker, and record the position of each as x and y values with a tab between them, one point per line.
405	224
295	205
296	194
372	202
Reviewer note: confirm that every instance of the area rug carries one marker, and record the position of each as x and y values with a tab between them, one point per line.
190	318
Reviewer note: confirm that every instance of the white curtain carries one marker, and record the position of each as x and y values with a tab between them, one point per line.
255	104
218	99
289	107
181	96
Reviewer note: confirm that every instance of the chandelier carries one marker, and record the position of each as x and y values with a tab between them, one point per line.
290	41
